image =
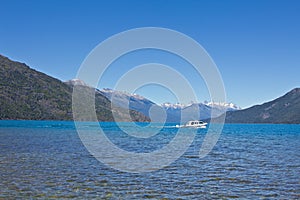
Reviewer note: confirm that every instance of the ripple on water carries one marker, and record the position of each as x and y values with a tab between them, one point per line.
246	163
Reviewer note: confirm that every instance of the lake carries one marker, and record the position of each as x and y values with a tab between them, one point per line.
46	159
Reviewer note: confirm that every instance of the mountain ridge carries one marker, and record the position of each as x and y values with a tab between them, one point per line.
27	94
282	110
174	112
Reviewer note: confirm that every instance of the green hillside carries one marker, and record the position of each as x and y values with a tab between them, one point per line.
285	109
31	95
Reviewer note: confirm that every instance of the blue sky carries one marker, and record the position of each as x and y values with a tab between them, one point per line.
255	44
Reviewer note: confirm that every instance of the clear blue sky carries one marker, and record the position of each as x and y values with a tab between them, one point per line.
255	44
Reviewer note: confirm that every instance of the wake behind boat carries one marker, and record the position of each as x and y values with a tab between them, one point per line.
193	124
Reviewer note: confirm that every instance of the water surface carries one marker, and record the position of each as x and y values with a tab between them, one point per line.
43	159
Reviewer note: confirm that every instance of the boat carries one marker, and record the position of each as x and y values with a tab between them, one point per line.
193	124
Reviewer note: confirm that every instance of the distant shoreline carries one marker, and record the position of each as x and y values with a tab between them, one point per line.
44	120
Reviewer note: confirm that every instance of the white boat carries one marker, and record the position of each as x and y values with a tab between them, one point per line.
193	124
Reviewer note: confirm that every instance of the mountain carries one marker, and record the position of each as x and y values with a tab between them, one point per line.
218	105
223	105
184	113
174	112
132	101
196	110
31	95
285	109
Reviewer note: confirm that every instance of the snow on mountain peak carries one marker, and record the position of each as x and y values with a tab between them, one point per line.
173	106
76	81
121	93
223	105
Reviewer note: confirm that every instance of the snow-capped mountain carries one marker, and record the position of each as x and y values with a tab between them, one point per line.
219	105
174	112
120	94
76	82
181	112
126	100
228	106
173	106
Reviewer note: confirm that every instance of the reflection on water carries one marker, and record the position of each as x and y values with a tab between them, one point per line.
47	160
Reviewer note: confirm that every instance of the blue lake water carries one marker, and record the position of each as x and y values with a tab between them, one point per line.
44	159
